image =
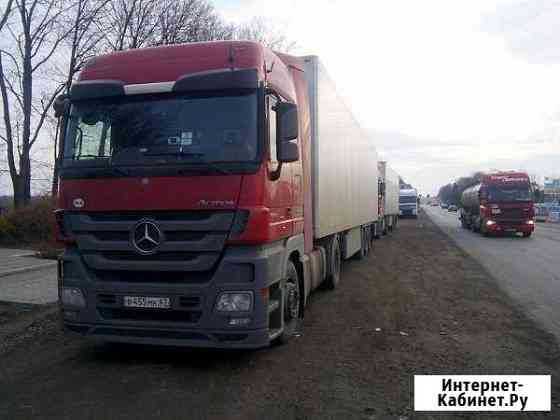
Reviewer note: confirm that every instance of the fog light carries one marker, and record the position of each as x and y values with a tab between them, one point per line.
73	297
490	223
235	302
239	321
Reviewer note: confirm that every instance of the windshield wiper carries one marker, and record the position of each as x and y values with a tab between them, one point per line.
174	153
80	157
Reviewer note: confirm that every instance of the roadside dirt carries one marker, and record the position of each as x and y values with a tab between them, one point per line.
439	313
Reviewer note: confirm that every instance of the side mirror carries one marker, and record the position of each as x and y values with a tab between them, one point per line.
287	121
287	126
287	151
61	105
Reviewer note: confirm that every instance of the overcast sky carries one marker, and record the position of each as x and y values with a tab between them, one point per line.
445	87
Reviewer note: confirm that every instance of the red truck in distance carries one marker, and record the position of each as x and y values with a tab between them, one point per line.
501	203
205	190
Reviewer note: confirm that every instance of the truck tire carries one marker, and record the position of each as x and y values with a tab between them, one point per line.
527	234
473	226
291	303
335	262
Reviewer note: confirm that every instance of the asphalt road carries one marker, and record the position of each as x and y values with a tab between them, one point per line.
417	305
527	269
25	278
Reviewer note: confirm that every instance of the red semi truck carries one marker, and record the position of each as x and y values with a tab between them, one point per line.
205	190
501	203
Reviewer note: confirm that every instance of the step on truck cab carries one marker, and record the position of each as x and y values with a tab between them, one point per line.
500	203
202	197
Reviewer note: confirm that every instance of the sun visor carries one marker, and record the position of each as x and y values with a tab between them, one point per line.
217	80
92	89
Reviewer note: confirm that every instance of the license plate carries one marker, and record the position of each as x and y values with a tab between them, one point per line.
147	302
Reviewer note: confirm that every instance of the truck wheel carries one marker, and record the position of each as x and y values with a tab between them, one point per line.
292	304
473	226
527	234
335	262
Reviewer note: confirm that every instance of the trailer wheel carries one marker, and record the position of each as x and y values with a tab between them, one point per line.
366	243
291	303
335	262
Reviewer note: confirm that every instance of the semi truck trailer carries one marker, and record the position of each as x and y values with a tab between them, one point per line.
388	206
206	189
500	203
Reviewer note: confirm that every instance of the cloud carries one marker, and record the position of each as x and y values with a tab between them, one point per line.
530	28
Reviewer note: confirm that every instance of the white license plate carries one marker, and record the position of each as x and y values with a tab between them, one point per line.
147	302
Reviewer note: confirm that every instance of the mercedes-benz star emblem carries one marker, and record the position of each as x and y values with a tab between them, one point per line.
146	237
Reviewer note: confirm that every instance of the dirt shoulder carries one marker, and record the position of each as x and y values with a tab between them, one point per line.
438	310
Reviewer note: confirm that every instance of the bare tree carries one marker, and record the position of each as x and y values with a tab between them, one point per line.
6	14
35	37
190	21
262	31
130	23
140	23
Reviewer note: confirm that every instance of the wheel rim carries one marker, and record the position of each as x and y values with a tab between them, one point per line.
291	301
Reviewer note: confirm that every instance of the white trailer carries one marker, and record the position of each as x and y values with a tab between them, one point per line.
344	162
389	198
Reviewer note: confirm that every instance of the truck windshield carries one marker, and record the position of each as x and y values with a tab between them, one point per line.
514	193
407	199
147	131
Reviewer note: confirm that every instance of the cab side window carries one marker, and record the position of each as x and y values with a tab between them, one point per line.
271	113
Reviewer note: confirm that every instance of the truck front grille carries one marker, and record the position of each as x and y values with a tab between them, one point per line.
163	315
190	277
191	241
512	214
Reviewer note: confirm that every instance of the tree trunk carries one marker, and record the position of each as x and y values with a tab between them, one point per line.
18	184
22	183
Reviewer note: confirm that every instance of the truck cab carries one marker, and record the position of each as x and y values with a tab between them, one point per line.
408	203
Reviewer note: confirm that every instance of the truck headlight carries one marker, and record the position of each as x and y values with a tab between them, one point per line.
490	222
530	222
235	302
72	296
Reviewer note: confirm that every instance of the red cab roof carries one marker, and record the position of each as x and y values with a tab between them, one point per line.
169	63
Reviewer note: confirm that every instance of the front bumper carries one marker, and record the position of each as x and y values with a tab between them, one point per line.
226	339
408	212
508	227
192	319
